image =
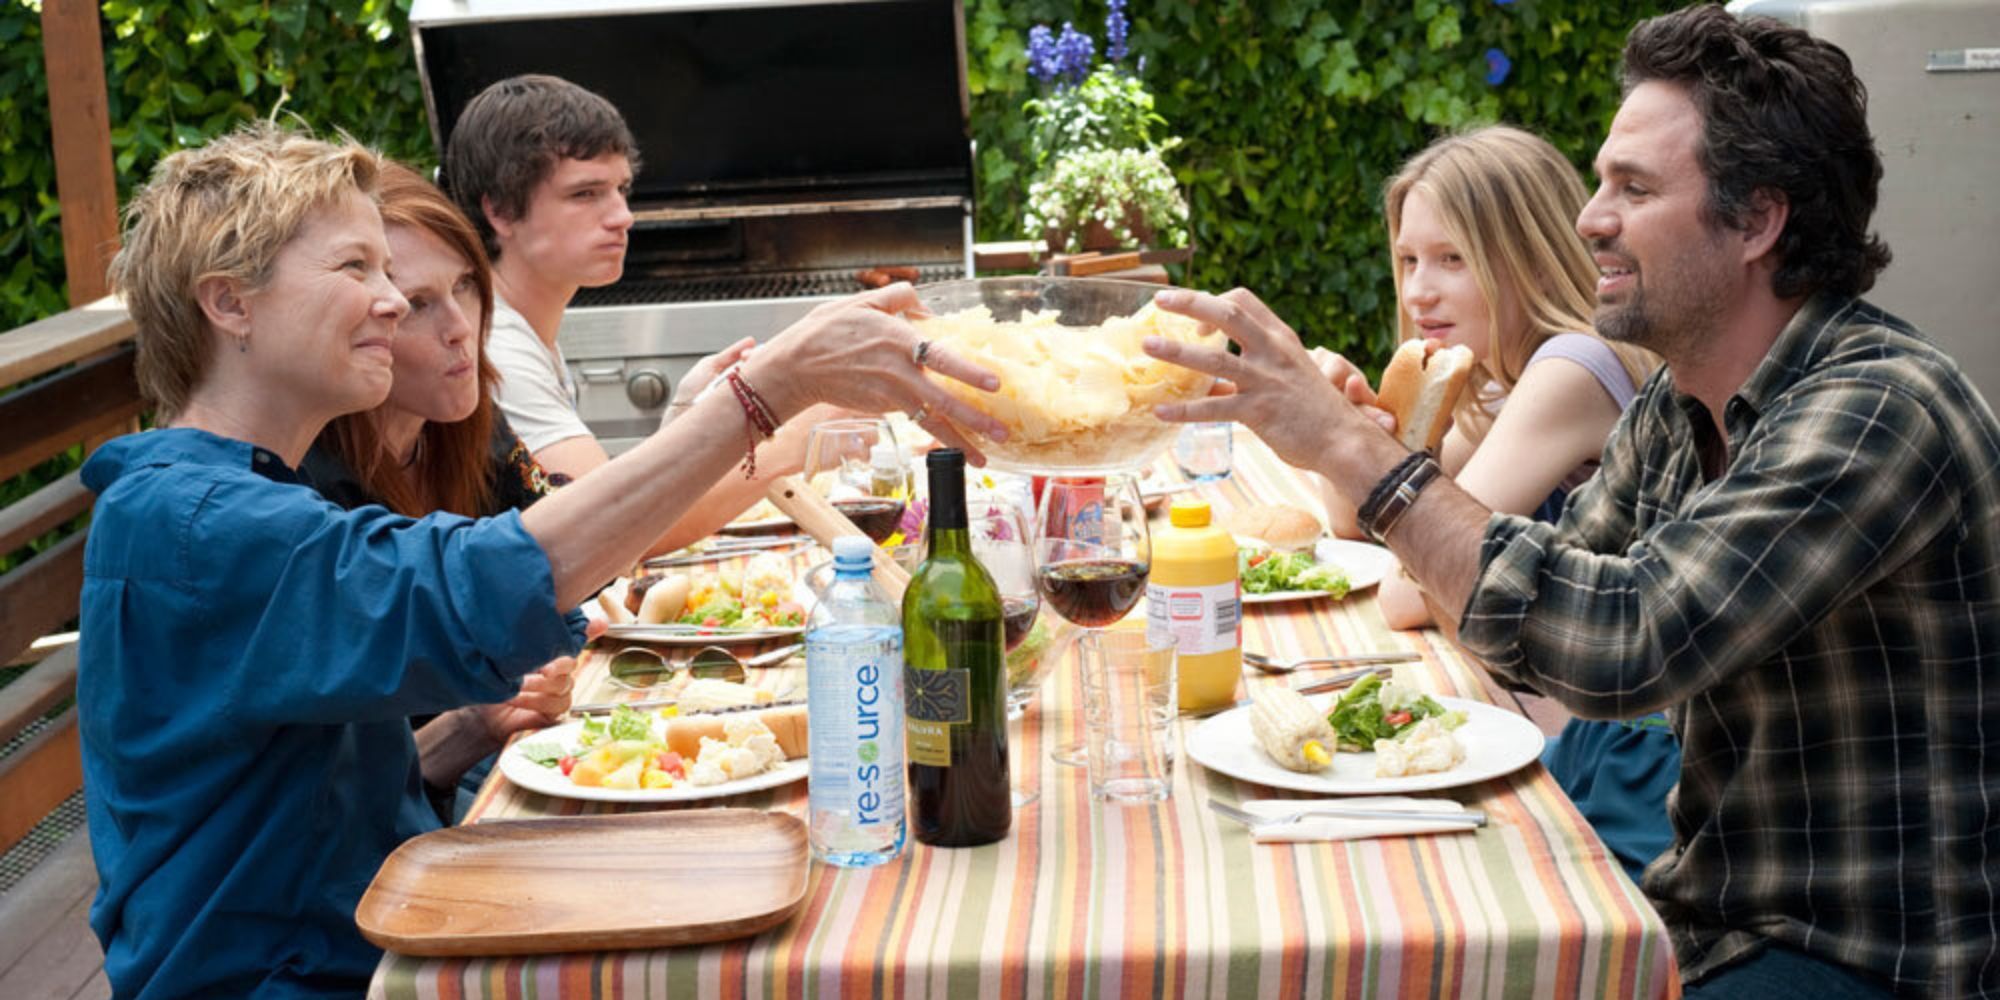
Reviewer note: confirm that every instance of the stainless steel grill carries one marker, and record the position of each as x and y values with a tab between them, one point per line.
787	145
727	287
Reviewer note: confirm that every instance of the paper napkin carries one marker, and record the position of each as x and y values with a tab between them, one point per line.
1311	828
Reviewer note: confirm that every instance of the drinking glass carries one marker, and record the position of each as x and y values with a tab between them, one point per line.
1001	544
859	467
1128	715
1205	452
1092	555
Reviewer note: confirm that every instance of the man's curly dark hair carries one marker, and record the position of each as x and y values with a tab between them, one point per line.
1782	112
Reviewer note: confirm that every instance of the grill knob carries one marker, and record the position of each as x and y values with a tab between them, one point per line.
647	389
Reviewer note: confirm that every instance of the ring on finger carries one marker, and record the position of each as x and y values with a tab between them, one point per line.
921	352
923	413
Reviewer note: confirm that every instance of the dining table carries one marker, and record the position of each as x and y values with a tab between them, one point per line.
1092	899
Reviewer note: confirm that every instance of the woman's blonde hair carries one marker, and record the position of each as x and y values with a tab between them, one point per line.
453	470
221	210
1509	202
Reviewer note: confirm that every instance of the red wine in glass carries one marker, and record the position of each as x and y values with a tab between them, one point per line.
1017	616
875	516
1093	593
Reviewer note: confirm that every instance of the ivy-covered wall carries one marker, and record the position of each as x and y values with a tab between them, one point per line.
178	71
1293	112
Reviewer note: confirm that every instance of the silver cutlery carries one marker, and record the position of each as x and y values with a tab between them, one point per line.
1317	687
1272	666
647	704
1470	818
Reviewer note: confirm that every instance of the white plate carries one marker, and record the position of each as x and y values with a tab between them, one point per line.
1496	742
1364	564
551	781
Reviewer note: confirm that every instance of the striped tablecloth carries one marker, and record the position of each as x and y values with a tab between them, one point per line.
1091	900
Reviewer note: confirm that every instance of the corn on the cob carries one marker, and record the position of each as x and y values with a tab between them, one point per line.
1290	730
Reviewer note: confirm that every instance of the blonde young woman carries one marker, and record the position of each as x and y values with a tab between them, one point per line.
1482	230
1486	256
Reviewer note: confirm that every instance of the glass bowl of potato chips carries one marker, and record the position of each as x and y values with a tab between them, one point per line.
1076	391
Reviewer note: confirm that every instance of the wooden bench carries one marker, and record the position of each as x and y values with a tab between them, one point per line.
73	385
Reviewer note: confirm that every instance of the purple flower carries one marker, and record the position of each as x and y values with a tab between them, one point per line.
1116	28
1497	67
1043	63
1074	53
1503	3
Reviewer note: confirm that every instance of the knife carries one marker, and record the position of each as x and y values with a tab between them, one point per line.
1316	687
649	704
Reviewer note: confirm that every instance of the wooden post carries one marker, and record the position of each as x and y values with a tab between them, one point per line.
80	120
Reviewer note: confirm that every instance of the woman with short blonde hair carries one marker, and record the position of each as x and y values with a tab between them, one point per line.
250	653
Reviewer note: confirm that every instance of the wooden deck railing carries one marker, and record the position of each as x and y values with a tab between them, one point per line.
74	385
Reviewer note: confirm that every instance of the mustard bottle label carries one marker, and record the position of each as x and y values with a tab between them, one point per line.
1200	619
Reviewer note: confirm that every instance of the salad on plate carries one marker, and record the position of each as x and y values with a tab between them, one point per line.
1265	570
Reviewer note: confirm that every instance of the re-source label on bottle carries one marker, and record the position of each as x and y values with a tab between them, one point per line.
934	700
1200	619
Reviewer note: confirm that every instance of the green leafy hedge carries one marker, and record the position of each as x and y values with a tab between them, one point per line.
178	71
1293	113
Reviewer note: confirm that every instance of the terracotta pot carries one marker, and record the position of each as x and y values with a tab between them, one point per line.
1098	236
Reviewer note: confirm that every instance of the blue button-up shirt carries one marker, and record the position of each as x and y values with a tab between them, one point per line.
250	656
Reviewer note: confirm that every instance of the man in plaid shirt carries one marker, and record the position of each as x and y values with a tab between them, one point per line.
1792	546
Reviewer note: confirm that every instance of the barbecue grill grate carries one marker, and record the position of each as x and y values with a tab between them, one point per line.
726	287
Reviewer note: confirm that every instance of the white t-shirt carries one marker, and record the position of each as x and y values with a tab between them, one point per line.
535	391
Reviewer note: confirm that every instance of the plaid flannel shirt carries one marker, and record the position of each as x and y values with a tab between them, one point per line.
1819	621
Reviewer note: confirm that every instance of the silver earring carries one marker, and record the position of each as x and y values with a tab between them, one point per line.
243	344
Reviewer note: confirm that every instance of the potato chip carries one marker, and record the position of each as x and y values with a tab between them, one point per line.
1072	397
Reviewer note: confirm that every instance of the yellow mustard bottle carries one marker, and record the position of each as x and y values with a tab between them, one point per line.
1193	596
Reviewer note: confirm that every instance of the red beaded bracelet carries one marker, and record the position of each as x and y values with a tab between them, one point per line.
763	423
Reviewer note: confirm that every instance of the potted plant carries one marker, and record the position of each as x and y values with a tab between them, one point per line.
1100	178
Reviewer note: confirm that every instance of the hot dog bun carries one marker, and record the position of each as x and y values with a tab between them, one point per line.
787	723
1420	391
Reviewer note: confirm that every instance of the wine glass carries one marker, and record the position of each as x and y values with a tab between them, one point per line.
1001	543
1092	555
858	467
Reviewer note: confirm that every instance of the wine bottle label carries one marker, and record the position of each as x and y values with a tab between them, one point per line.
934	701
1199	619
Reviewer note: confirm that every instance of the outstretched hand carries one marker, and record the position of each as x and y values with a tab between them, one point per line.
860	353
1275	386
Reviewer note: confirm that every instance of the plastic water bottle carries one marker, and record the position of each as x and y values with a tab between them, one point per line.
854	710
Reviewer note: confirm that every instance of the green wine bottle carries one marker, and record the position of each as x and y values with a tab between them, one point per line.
954	686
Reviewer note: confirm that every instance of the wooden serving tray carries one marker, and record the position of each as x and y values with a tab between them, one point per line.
588	883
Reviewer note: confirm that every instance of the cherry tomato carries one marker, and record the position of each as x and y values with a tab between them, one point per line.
672	763
567	764
1397	718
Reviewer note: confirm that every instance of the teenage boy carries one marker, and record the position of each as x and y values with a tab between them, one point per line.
543	168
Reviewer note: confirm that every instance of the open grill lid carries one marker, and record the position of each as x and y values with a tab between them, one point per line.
750	105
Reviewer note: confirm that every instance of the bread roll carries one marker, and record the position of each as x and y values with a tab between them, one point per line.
684	734
614	612
1420	391
1281	526
664	600
787	723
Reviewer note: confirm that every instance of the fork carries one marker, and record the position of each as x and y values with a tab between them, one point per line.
1470	817
1271	666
